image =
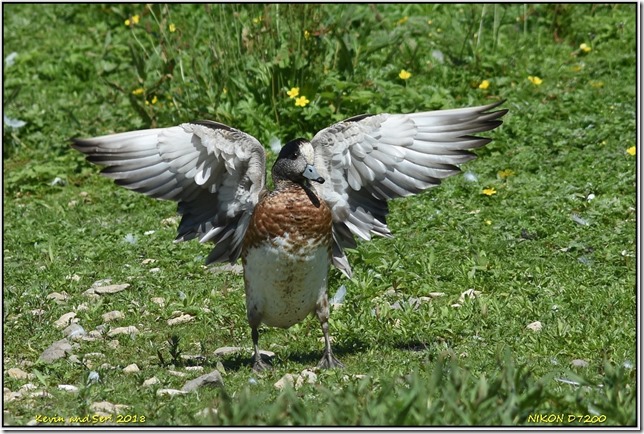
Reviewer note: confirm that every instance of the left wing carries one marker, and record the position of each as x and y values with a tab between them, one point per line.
368	160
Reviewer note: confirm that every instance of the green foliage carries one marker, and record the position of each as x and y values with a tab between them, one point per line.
555	243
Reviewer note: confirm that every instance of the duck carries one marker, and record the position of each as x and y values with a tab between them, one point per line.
326	192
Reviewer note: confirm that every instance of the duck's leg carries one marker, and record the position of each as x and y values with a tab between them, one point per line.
254	320
322	311
258	364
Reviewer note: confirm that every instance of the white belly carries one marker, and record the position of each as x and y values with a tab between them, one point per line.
283	285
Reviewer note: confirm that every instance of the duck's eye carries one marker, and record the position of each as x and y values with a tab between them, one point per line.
295	155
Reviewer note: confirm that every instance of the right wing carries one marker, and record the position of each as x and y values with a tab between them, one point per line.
215	172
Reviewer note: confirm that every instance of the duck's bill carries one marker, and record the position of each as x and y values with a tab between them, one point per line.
311	173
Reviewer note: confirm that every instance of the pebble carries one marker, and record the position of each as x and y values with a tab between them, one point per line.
223	351
306	376
181	319
113	315
151	382
535	326
286	380
129	369
170	392
158	300
107	407
56	351
37	312
129	330
176	373
58	297
68	388
74	331
579	363
64	320
113	344
110	289
18	374
81	307
212	379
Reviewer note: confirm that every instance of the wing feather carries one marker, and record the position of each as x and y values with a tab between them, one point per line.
368	160
216	174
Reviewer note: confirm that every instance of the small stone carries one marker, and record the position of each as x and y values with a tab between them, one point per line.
158	300
436	294
181	319
535	326
148	261
68	388
18	374
107	407
306	376
110	289
212	379
579	363
37	312
74	359
113	344
151	382
96	334
81	307
129	369
194	368
56	351
129	330
113	315
40	394
223	351
58	297
74	331
286	380
93	355
65	320
171	392
176	373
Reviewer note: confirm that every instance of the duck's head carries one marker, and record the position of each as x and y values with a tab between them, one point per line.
295	163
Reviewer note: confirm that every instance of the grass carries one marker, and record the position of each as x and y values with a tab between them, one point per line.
555	243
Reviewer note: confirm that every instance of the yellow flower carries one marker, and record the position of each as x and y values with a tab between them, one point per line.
257	20
307	35
301	101
596	83
154	99
403	20
132	20
577	68
295	91
172	28
488	222
535	80
506	173
138	91
489	191
585	48
484	84
404	75
631	151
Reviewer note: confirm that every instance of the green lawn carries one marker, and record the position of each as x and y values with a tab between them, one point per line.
553	241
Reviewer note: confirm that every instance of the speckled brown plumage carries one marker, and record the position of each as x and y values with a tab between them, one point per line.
290	210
